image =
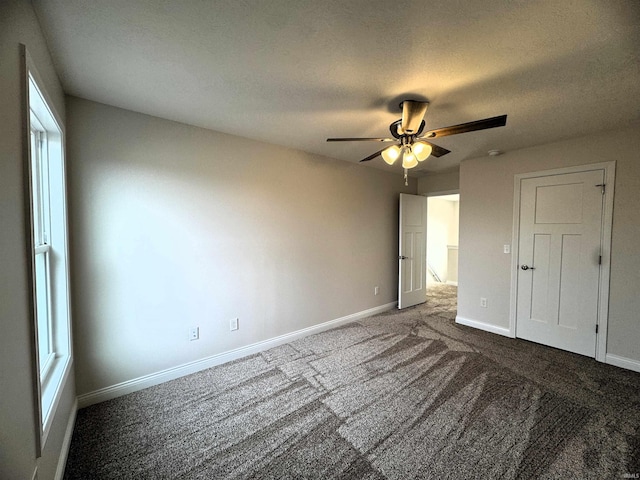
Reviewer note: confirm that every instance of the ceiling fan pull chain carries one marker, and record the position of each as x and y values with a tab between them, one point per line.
406	177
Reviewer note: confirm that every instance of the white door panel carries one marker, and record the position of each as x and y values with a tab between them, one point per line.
559	248
413	250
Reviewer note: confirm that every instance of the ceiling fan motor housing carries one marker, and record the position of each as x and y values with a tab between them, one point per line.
396	129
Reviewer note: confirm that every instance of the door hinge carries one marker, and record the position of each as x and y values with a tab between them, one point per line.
603	185
600	260
596	328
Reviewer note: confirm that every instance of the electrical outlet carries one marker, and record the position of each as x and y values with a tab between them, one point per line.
483	302
194	333
376	290
233	324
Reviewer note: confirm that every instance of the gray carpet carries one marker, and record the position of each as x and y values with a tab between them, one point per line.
400	395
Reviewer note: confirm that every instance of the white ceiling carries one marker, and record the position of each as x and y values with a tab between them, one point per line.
294	72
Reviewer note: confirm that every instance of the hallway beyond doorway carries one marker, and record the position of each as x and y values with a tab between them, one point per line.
442	239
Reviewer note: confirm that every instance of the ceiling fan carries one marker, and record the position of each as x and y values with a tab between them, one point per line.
411	139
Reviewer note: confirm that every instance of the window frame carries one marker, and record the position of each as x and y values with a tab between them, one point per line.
46	235
42	249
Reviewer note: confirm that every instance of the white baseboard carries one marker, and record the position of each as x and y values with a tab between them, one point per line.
622	362
610	359
150	380
451	282
66	442
487	327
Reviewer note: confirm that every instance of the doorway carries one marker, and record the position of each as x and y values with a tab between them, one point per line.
442	239
442	249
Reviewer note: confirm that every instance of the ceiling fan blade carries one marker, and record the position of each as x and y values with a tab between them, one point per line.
437	150
372	156
362	140
412	115
499	121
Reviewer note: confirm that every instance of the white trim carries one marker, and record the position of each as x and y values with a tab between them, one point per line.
66	442
42	249
26	160
487	327
515	240
605	267
609	169
440	193
58	387
451	282
622	362
162	376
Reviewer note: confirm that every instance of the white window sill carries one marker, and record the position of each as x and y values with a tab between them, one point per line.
52	390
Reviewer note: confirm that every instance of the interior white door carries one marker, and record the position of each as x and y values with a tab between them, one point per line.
559	260
412	282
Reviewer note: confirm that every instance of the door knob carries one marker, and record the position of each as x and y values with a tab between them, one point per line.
527	267
402	257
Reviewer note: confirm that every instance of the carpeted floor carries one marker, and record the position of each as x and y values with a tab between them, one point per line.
400	395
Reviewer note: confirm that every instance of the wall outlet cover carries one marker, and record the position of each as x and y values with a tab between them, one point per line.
194	333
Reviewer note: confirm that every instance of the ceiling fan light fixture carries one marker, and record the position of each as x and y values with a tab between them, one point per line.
409	160
391	154
422	150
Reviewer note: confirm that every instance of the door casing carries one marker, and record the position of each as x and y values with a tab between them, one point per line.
605	268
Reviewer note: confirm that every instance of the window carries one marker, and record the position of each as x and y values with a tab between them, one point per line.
48	251
40	206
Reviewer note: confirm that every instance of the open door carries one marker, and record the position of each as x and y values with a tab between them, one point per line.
412	282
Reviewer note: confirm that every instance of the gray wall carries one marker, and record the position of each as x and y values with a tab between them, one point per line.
486	218
176	226
18	24
439	182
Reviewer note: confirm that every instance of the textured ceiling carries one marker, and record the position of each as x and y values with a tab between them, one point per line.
294	72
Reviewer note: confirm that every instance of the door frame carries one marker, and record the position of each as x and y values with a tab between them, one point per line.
605	242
